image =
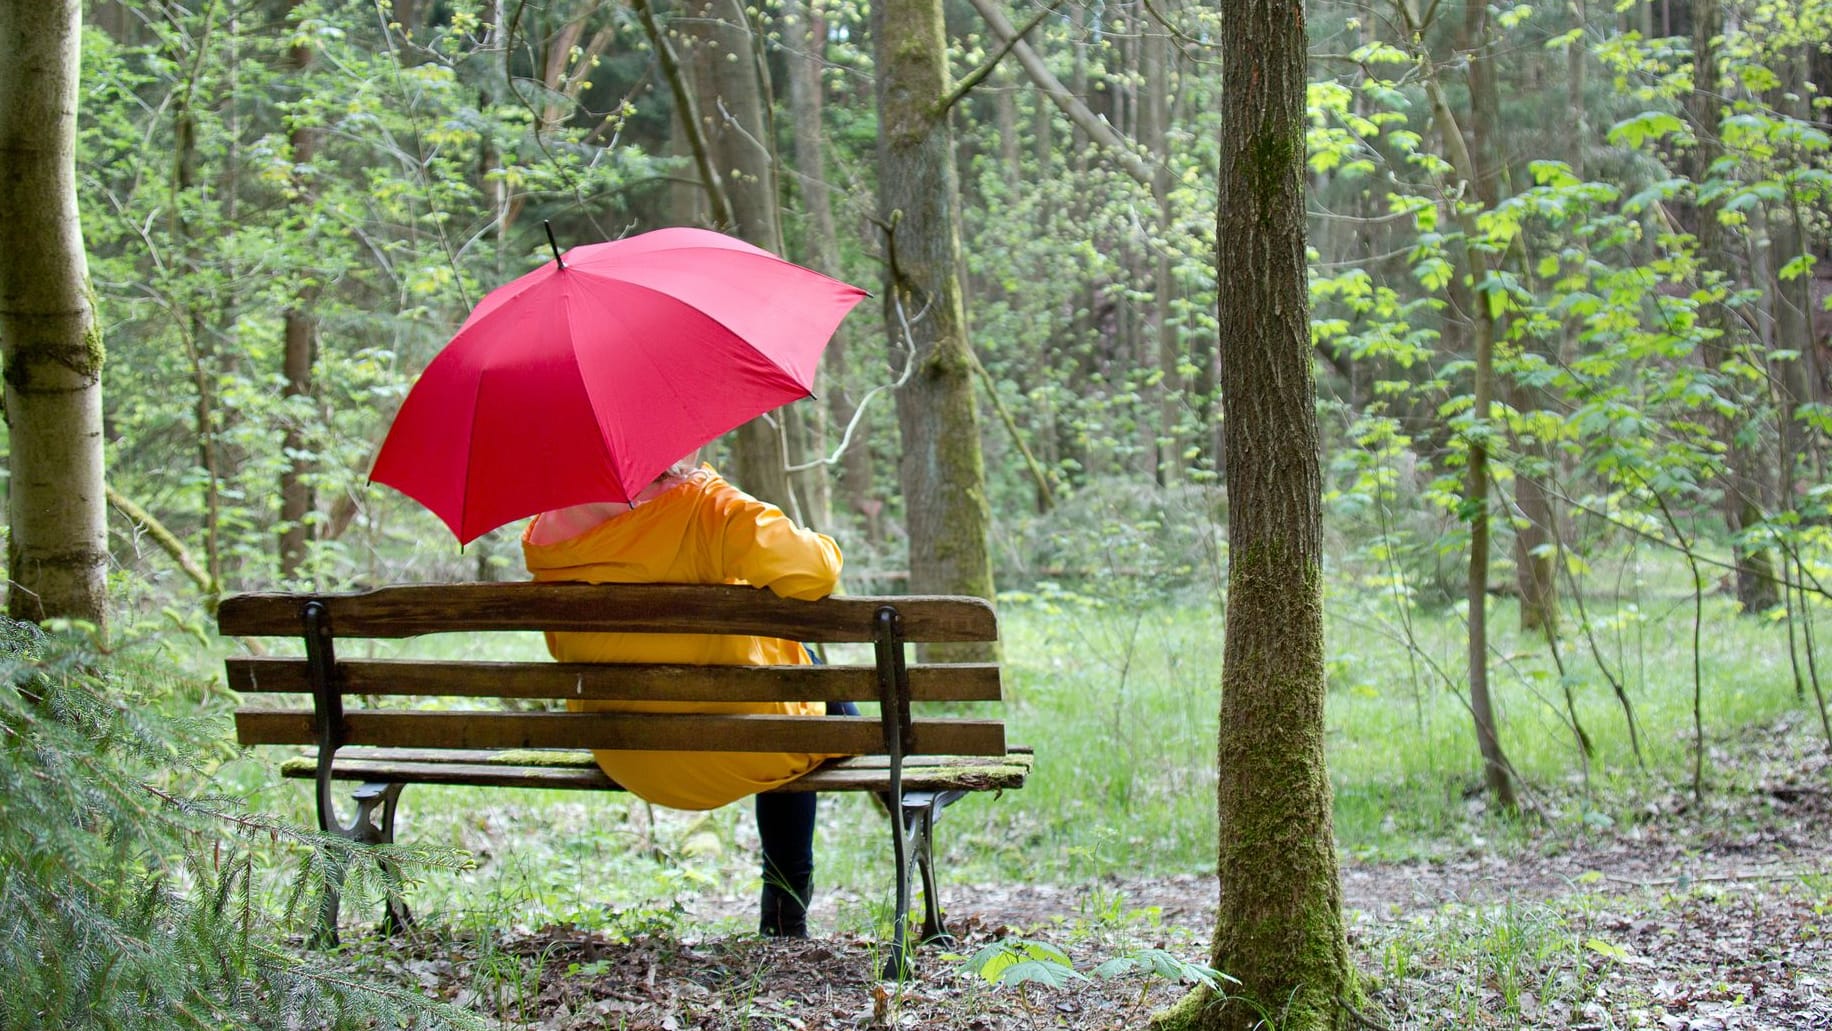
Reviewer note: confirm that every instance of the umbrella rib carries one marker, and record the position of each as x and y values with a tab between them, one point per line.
470	449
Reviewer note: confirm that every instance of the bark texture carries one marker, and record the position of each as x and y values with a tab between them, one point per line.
57	549
1279	926
943	471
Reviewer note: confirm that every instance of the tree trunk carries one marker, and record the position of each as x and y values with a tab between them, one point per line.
1534	540
807	103
186	49
57	554
734	121
1790	239
1496	771
300	336
1157	68
943	471
1279	926
1742	506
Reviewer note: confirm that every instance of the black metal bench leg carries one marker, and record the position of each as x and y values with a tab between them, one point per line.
932	929
377	828
398	918
900	963
922	809
367	827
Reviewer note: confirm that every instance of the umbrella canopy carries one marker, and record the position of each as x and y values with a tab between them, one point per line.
584	379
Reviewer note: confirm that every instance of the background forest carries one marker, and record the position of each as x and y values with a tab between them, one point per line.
1571	288
289	207
1570	296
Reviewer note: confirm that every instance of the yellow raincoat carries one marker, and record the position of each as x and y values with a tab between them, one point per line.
701	531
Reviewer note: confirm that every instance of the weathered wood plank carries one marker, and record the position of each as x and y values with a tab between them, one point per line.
843	735
934	682
412	610
965	773
557	758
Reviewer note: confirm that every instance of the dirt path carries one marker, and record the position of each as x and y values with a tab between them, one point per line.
1716	917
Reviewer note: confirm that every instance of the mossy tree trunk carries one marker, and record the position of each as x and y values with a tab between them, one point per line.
1279	927
943	471
57	553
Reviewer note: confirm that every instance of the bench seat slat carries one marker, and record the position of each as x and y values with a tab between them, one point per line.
929	682
412	610
648	731
559	758
576	771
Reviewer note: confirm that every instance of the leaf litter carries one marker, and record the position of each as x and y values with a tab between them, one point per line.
1690	917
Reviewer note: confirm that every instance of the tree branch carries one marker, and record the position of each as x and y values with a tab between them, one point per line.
689	114
1046	498
978	75
1097	128
168	542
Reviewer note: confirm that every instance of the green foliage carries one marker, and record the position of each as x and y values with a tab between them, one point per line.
1147	964
133	903
207	223
1020	961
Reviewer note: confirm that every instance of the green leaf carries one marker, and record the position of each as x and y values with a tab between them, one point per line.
1022	961
1800	266
1162	964
1434	273
1034	971
1638	130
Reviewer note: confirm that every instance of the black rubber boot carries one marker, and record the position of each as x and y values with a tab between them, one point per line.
785	911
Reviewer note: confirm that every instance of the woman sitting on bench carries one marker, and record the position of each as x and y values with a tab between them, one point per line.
690	526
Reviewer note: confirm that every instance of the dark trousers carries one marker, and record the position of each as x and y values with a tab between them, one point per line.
785	822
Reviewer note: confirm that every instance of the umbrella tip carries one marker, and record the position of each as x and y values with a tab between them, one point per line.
550	242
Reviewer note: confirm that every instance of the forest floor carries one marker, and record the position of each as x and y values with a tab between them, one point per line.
1688	918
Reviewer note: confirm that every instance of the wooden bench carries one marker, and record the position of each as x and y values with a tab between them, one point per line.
372	721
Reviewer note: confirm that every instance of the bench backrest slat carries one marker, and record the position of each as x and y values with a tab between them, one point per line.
929	682
409	611
649	731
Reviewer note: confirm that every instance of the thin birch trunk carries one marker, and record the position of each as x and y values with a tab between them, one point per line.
57	545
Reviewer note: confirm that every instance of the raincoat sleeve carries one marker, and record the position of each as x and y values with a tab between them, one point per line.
762	547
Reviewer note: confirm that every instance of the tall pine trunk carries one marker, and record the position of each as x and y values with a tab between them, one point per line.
943	470
1279	926
57	550
1158	67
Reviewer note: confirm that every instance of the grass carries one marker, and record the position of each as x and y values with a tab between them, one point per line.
1121	700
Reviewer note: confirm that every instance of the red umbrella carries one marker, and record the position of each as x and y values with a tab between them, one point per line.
584	379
